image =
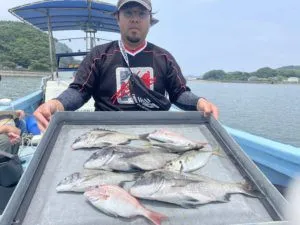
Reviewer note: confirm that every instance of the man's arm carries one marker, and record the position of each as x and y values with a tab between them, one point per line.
72	99
187	101
191	102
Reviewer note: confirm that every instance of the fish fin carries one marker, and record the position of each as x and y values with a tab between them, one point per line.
225	199
144	137
217	153
181	167
105	131
155	217
188	205
137	175
189	202
105	145
132	154
251	191
109	213
134	178
125	142
148	144
123	183
136	167
167	146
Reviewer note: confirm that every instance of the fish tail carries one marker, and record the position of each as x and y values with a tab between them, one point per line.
217	152
250	190
144	137
202	143
247	187
155	217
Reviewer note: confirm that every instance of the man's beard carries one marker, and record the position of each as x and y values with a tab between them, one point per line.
133	39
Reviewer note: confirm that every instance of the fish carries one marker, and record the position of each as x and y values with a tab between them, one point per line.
79	182
110	158
127	158
99	138
172	141
152	160
115	201
190	160
179	189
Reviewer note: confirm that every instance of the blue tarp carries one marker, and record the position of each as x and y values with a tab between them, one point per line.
69	15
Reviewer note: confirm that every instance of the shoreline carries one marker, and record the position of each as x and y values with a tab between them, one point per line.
241	82
22	73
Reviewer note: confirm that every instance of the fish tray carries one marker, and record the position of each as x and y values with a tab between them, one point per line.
36	202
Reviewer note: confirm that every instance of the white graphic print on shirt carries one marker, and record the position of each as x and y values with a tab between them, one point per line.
122	76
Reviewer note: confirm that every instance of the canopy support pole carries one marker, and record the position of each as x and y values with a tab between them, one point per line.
90	32
86	41
51	45
90	39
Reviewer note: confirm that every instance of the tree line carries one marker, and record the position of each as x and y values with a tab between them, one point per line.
263	74
24	47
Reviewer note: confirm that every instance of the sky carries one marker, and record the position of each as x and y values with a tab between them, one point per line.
202	35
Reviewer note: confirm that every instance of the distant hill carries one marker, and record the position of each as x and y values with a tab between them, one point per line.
289	68
265	74
24	47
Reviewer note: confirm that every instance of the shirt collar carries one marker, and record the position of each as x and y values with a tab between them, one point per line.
137	50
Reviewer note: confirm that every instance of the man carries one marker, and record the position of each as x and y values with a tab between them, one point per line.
9	133
105	71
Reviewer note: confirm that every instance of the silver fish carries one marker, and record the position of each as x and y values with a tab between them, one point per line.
79	182
126	158
110	158
99	138
174	142
191	160
152	160
117	202
181	190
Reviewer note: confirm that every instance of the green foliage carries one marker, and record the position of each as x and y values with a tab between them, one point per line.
242	76
214	75
289	68
265	74
24	46
8	64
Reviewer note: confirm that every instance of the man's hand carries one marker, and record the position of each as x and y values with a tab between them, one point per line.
44	112
13	133
20	114
208	108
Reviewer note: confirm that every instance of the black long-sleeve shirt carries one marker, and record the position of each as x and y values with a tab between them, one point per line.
103	75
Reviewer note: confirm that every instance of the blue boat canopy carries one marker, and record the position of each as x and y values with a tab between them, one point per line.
86	15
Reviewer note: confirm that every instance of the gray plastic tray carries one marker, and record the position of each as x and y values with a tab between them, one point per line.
35	201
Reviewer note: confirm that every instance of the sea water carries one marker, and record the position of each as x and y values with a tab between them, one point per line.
268	110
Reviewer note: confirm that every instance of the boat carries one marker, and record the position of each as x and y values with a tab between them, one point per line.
279	162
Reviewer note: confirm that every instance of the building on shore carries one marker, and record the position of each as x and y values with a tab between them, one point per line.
293	80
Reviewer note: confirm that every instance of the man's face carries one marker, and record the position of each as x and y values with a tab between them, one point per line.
134	22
